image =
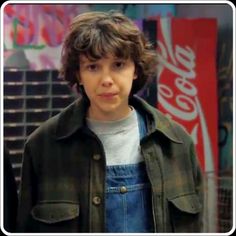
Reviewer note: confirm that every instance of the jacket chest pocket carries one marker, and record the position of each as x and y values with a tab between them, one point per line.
185	213
55	217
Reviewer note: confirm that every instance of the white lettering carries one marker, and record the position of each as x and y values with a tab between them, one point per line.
186	87
186	109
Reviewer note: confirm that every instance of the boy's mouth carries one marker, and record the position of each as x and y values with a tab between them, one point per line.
108	95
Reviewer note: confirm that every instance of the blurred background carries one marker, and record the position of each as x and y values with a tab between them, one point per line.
193	84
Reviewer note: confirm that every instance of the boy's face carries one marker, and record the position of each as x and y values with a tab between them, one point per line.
107	83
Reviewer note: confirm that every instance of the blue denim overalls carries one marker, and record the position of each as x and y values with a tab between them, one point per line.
128	196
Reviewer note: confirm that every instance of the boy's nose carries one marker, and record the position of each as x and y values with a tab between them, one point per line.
107	80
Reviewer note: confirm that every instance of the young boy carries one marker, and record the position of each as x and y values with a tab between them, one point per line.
109	162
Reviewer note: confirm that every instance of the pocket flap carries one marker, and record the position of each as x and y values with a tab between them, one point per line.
188	203
55	212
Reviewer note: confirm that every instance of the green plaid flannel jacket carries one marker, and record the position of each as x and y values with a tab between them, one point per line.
63	175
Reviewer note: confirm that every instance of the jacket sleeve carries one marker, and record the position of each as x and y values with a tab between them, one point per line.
199	184
10	193
27	192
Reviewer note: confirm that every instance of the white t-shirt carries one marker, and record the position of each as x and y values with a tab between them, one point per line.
120	139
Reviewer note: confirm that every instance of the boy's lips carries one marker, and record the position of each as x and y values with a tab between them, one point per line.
108	95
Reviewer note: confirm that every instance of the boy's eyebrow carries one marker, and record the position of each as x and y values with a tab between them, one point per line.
86	60
82	61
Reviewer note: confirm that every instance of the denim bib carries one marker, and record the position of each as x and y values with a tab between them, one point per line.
128	199
128	196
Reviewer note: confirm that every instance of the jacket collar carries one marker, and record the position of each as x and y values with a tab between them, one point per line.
72	119
157	121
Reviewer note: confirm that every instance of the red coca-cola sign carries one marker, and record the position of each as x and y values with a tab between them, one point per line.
187	84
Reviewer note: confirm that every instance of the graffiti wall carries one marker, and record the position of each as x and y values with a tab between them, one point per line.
225	82
33	34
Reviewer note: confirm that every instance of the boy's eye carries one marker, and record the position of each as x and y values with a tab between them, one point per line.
119	64
92	67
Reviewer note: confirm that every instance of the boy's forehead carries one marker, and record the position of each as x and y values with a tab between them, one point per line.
84	58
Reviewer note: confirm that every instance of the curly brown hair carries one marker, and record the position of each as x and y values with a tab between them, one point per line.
97	34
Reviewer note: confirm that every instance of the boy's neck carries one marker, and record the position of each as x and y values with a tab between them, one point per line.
108	116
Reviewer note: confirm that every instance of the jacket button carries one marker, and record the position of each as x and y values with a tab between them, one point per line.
96	157
123	189
96	200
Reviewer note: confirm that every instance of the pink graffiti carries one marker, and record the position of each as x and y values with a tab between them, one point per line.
46	62
38	24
